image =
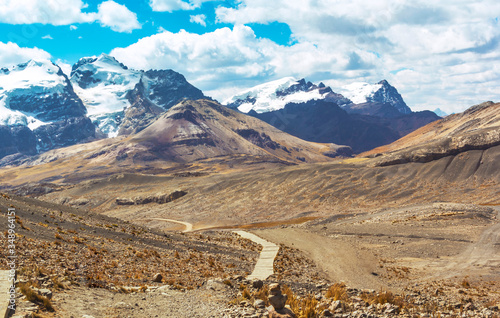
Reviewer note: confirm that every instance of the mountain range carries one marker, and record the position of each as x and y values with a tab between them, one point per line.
41	108
363	117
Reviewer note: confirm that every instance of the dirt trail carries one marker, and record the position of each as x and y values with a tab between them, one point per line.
340	260
189	226
481	255
264	266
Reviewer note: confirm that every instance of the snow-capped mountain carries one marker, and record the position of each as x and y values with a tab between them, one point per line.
382	92
277	94
104	85
39	109
36	93
363	116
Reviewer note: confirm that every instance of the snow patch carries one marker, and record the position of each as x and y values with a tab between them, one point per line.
264	98
360	92
106	96
9	117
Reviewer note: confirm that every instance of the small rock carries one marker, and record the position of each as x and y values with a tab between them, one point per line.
336	305
282	313
276	299
45	292
326	313
258	284
120	304
157	278
259	303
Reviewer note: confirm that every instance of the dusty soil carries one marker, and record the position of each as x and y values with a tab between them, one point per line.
397	248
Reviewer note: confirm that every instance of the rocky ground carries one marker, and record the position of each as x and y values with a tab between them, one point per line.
69	251
416	261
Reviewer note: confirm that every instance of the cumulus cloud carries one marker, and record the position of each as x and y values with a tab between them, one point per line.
11	54
117	17
198	19
56	12
174	5
67	12
447	50
227	57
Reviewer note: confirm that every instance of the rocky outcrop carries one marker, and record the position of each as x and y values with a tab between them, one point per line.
17	140
159	198
141	113
166	88
64	133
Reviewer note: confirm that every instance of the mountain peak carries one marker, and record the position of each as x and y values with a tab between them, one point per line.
102	60
382	92
275	95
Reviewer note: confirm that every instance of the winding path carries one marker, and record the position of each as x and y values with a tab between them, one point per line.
264	267
189	226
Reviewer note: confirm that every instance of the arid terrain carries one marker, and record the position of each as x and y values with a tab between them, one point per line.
418	219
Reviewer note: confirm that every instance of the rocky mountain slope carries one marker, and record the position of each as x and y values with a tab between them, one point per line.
42	109
199	133
39	110
194	130
478	128
364	116
109	89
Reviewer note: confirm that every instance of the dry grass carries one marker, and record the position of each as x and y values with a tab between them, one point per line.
34	297
303	307
337	291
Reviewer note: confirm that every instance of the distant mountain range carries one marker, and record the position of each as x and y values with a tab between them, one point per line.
364	116
41	108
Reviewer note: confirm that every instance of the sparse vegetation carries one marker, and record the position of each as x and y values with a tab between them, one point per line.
34	297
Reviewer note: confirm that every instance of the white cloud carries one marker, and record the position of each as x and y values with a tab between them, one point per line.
47	37
448	48
225	57
199	19
11	54
73	27
56	12
174	5
66	12
117	17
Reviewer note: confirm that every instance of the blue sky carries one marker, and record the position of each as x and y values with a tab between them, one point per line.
437	54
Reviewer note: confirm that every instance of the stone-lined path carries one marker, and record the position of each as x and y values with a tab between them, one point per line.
5	285
264	267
